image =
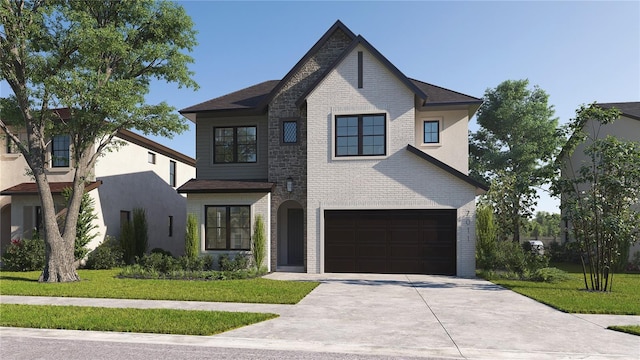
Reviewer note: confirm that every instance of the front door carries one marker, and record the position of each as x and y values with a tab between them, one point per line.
295	237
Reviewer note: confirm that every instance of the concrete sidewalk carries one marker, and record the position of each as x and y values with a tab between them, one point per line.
401	315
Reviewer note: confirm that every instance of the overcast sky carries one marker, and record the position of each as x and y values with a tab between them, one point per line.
578	52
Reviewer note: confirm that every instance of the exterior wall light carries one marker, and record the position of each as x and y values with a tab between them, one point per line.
289	184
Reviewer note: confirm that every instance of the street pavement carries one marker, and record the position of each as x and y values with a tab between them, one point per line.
380	315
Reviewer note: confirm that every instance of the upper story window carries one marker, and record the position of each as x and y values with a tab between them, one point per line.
289	132
431	132
60	155
238	144
228	228
151	158
361	135
172	173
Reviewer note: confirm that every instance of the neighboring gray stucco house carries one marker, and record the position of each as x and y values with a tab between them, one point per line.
626	128
140	174
355	167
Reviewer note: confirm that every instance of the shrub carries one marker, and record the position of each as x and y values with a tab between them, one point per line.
191	238
239	262
634	264
549	274
24	255
85	225
161	251
567	252
140	232
106	256
259	245
159	262
509	257
486	236
127	243
198	263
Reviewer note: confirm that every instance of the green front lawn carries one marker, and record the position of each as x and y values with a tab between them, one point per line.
629	329
570	296
159	321
104	284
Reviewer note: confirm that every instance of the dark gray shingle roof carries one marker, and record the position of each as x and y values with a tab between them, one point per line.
247	98
629	109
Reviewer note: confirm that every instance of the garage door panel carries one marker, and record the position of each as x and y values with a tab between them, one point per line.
406	266
341	266
391	241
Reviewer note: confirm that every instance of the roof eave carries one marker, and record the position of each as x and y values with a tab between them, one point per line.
480	187
471	106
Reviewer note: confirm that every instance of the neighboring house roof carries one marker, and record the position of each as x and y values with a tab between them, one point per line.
31	188
140	140
628	109
195	186
255	99
480	187
152	145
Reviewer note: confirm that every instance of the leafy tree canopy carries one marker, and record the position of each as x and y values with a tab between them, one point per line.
517	139
599	194
96	60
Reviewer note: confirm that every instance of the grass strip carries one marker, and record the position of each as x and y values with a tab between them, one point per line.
104	284
629	329
158	321
570	296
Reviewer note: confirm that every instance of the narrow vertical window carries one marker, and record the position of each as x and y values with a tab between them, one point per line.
124	218
170	225
360	69
38	224
172	173
431	132
289	132
12	148
60	151
151	158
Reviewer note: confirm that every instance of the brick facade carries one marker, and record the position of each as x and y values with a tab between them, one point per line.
399	180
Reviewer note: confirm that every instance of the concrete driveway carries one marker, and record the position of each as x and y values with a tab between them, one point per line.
390	315
421	315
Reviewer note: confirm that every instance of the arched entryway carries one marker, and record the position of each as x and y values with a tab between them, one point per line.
290	236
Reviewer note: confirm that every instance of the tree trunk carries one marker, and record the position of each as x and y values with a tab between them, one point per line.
59	261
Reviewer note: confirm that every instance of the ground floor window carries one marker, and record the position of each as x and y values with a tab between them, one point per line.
228	228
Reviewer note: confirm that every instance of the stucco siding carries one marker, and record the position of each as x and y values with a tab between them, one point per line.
398	180
624	129
453	148
260	204
207	169
131	181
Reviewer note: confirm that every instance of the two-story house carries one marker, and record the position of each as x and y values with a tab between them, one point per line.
625	128
357	167
140	174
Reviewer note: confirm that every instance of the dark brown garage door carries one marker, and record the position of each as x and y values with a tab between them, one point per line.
390	241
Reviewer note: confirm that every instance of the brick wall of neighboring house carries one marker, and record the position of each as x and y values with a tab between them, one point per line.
286	160
399	180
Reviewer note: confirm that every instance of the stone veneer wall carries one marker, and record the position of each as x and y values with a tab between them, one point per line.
290	160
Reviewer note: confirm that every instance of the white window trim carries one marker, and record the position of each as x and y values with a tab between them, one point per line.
440	122
332	141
